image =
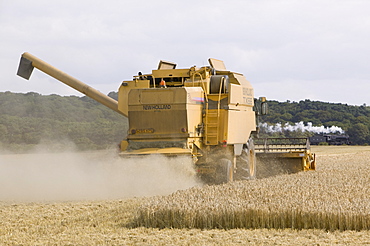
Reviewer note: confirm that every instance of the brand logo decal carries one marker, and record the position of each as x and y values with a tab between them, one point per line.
156	107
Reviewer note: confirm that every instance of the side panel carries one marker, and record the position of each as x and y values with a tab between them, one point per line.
194	104
240	125
124	91
241	119
157	112
248	92
164	113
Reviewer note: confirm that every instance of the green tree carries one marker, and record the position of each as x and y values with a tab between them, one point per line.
359	132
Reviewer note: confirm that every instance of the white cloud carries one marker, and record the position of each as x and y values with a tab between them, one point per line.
284	48
338	91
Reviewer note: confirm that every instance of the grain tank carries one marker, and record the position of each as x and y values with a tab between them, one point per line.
207	113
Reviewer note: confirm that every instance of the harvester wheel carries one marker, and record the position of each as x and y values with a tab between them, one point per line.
246	162
225	172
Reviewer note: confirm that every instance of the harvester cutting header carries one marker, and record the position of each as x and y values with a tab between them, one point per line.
207	113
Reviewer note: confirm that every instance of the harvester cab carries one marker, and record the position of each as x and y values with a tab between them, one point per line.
207	113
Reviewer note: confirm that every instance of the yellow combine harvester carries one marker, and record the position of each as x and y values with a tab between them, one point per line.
207	113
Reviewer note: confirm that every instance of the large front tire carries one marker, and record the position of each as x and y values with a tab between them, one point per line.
246	163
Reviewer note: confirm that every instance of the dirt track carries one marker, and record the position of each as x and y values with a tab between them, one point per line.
103	222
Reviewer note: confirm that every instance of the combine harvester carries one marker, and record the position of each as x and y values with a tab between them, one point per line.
207	113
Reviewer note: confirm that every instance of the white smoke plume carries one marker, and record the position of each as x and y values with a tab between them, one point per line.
300	126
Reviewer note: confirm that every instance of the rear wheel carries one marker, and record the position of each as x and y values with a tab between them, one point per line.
225	171
246	162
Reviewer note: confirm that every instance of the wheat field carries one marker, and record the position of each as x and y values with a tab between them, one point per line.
332	203
335	197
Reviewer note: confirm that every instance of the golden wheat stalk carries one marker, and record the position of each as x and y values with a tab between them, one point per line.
335	197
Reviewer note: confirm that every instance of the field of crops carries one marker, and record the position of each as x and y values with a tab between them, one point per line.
335	197
326	207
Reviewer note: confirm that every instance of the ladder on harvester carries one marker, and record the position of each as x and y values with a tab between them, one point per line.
212	116
212	126
212	120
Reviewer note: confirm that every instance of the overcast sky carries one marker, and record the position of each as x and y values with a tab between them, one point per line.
288	49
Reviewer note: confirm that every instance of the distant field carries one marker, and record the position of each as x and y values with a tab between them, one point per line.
104	222
327	150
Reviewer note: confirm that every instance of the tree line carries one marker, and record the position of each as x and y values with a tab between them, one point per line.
354	120
30	118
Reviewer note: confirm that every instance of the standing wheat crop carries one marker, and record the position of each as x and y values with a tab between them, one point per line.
335	197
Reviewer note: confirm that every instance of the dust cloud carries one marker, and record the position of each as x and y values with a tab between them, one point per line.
95	175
